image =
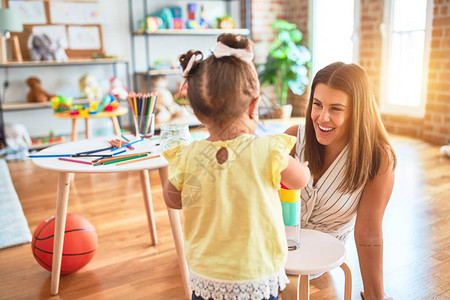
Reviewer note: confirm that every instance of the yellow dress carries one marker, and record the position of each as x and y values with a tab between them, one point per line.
233	225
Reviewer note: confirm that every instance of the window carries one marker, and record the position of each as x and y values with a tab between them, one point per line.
406	45
334	25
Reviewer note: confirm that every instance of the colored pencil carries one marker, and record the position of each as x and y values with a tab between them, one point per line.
130	143
76	161
143	108
49	155
123	159
118	152
120	157
96	150
66	155
137	159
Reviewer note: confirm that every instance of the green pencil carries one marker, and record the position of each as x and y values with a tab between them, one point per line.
123	159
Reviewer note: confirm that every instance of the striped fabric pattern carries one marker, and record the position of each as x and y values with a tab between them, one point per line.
324	208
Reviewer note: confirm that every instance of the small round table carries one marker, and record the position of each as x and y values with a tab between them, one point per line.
318	253
121	110
65	168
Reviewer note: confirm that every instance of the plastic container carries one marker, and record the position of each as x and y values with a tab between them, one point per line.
291	206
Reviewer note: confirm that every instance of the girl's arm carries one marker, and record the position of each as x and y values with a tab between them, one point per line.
172	196
368	229
292	131
297	174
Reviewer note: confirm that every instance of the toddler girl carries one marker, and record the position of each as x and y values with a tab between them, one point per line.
227	185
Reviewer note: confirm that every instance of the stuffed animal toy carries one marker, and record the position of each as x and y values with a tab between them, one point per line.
166	17
117	89
89	87
166	108
36	93
40	47
59	49
17	135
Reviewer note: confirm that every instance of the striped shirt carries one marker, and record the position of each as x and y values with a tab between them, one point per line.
324	208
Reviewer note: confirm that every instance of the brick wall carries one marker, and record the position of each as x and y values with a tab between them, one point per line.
297	12
435	126
264	12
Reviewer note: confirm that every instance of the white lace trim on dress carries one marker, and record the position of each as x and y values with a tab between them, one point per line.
255	289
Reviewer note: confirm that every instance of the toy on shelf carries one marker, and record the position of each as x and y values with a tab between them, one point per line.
40	47
60	50
181	97
117	89
109	103
61	104
163	64
192	11
104	55
50	139
36	93
202	22
89	87
177	14
166	109
162	18
225	22
17	136
151	24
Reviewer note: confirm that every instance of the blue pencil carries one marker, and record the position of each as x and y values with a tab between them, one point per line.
128	144
50	155
67	155
93	151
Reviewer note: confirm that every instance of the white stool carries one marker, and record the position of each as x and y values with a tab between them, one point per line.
318	253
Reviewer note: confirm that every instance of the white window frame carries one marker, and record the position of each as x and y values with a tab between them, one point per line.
356	30
385	28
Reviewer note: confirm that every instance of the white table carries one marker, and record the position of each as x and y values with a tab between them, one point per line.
318	253
65	169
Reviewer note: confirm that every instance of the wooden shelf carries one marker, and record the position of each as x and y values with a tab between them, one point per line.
16	106
193	32
161	72
72	62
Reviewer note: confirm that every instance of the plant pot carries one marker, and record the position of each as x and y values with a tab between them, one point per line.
286	111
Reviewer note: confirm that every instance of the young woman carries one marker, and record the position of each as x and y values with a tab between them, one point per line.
352	165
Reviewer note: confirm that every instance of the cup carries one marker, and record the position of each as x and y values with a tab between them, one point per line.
145	126
172	135
291	206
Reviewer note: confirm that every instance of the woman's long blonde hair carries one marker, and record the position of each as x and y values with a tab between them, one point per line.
368	139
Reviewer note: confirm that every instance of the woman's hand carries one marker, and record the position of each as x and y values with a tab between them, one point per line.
384	297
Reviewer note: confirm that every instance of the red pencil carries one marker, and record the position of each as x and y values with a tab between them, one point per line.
76	161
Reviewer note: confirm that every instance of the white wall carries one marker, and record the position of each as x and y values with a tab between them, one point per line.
116	41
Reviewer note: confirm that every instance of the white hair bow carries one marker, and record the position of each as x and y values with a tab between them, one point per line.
221	50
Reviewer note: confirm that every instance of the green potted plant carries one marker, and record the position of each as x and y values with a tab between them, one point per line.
287	62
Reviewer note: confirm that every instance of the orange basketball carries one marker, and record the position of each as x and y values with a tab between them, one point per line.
80	243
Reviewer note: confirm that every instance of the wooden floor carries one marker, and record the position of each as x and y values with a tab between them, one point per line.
416	231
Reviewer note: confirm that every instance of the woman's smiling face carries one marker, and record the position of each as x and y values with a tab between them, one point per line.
330	114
